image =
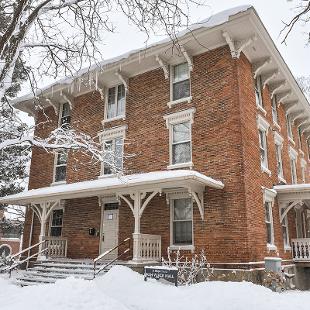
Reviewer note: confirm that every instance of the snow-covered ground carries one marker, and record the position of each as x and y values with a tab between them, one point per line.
123	289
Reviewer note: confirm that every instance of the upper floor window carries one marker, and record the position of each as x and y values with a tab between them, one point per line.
258	92
113	159
116	102
180	138
113	144
293	159
180	82
303	165
285	234
182	221
289	127
274	110
65	115
300	137
56	223
279	144
263	127
60	166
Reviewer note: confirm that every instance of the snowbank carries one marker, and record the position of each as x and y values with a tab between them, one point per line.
123	289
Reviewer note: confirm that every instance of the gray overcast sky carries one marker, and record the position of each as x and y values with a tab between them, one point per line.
272	13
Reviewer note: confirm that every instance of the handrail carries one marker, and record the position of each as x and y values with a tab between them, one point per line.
106	253
13	264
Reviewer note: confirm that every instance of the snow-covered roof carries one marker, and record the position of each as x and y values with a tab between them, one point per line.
208	23
108	185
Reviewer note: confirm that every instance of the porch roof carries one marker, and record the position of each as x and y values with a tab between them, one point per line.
118	184
292	192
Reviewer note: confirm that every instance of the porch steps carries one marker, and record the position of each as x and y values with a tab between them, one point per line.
48	272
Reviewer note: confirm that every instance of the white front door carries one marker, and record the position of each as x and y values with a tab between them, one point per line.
109	235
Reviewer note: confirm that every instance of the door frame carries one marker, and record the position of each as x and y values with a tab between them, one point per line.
103	202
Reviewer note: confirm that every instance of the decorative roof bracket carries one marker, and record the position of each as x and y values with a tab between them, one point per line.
266	78
302	121
282	96
188	58
296	115
67	97
236	47
259	65
274	88
123	79
164	66
290	106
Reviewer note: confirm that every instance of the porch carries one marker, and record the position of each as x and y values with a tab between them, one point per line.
134	193
297	197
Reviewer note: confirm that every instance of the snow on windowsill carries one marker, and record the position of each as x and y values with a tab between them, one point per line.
182	247
107	120
277	126
271	247
58	183
261	109
178	166
291	140
281	179
172	103
265	170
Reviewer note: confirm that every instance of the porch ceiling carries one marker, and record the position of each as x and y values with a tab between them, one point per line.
292	192
159	180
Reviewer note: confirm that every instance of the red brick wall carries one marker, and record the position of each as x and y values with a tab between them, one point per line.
225	147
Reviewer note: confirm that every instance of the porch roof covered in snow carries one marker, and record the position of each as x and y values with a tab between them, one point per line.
119	185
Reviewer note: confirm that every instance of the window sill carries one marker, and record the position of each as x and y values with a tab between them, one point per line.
105	176
182	165
281	179
10	239
287	248
291	140
172	103
271	247
265	170
58	183
301	152
261	109
277	126
182	247
107	120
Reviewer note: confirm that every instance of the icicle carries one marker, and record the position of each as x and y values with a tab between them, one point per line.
120	67
52	90
139	57
79	85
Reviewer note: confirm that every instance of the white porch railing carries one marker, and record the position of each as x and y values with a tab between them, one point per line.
301	249
56	247
146	247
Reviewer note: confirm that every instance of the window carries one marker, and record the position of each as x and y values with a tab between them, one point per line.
116	102
56	223
263	127
113	144
61	166
263	149
180	141
269	222
180	81
274	110
300	137
65	116
289	127
113	161
182	221
258	92
279	161
293	158
285	231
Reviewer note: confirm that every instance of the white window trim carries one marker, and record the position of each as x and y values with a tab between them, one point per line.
172	197
260	105
55	183
111	134
106	98
275	122
293	154
303	166
269	196
263	125
290	135
287	247
174	119
181	100
58	207
278	140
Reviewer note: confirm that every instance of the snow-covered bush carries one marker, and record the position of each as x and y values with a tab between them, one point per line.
190	270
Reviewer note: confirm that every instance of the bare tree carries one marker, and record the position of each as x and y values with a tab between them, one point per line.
301	15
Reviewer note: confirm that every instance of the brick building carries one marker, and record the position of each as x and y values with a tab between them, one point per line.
211	137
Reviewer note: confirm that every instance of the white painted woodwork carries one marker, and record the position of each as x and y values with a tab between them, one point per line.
146	247
301	249
109	238
56	247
